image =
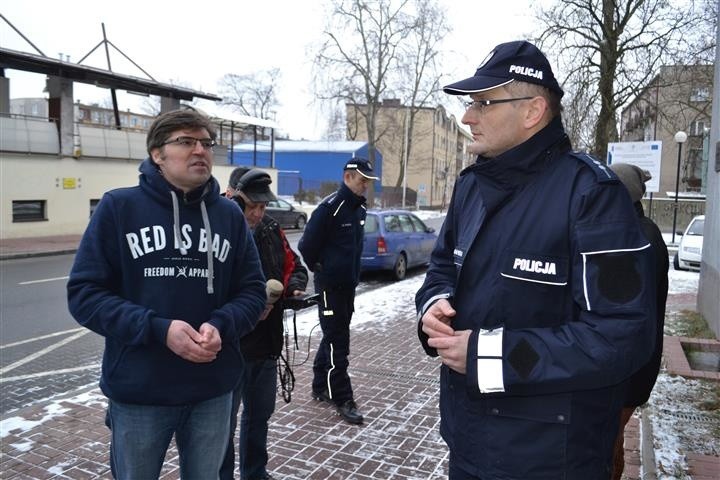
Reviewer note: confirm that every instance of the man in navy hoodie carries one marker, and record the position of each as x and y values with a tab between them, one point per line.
331	247
168	273
540	295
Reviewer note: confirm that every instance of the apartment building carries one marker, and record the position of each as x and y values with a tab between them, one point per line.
436	149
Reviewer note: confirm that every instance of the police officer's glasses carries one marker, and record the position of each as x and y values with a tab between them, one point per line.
189	142
480	105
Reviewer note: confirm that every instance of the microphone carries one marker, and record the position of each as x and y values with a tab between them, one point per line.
273	290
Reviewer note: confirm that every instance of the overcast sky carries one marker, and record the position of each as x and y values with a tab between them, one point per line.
196	43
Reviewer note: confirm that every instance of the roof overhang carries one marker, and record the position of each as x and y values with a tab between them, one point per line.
29	62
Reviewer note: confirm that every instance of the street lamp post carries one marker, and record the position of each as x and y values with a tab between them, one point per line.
680	138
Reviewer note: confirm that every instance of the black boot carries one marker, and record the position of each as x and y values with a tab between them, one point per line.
322	396
349	412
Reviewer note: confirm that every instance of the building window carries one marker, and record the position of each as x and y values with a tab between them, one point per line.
692	171
28	210
93	205
697	128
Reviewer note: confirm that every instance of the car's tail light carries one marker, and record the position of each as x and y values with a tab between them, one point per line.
381	245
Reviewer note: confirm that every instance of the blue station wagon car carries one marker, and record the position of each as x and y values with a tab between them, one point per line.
396	240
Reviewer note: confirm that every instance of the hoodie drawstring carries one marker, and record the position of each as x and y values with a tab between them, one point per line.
176	222
206	224
211	271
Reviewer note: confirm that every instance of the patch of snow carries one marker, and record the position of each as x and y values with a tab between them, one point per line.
89	398
681	281
60	468
24	446
679	426
22	425
428	214
373	309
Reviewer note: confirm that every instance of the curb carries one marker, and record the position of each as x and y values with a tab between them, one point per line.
647	452
18	255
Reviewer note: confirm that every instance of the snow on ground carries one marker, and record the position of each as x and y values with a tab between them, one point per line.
679	423
682	281
19	425
373	308
428	214
674	407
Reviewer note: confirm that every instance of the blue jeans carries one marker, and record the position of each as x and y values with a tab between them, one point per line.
141	435
257	392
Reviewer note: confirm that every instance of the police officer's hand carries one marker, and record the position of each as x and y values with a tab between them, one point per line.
453	349
184	341
437	319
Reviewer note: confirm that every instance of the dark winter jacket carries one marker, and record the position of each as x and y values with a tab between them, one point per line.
542	257
642	382
281	263
333	240
133	275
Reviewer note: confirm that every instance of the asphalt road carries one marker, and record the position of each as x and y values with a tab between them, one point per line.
43	351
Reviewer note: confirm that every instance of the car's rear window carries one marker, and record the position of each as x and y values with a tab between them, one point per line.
371	225
392	223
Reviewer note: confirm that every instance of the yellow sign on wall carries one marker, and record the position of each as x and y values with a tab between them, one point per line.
69	183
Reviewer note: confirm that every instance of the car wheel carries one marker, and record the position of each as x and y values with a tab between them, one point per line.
676	263
400	268
300	222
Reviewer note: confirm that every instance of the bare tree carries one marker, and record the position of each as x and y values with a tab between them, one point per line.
420	78
336	124
150	105
253	94
359	54
610	49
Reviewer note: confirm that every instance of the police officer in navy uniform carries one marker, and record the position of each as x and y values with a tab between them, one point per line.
331	246
540	295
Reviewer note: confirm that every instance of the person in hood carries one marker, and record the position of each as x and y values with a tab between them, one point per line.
168	273
540	295
331	247
641	383
262	347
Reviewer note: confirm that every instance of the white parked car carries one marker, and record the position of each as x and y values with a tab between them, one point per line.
690	249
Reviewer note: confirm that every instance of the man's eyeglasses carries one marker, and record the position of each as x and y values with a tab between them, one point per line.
479	105
189	142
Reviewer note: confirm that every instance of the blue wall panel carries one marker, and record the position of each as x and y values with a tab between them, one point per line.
312	167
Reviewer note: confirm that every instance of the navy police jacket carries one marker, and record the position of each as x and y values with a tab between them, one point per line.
542	258
333	240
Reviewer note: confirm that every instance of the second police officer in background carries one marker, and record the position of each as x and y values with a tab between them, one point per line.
261	347
331	247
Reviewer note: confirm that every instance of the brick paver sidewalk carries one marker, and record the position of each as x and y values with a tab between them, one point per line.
396	387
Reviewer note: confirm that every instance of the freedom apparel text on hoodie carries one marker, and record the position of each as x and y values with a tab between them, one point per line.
152	254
